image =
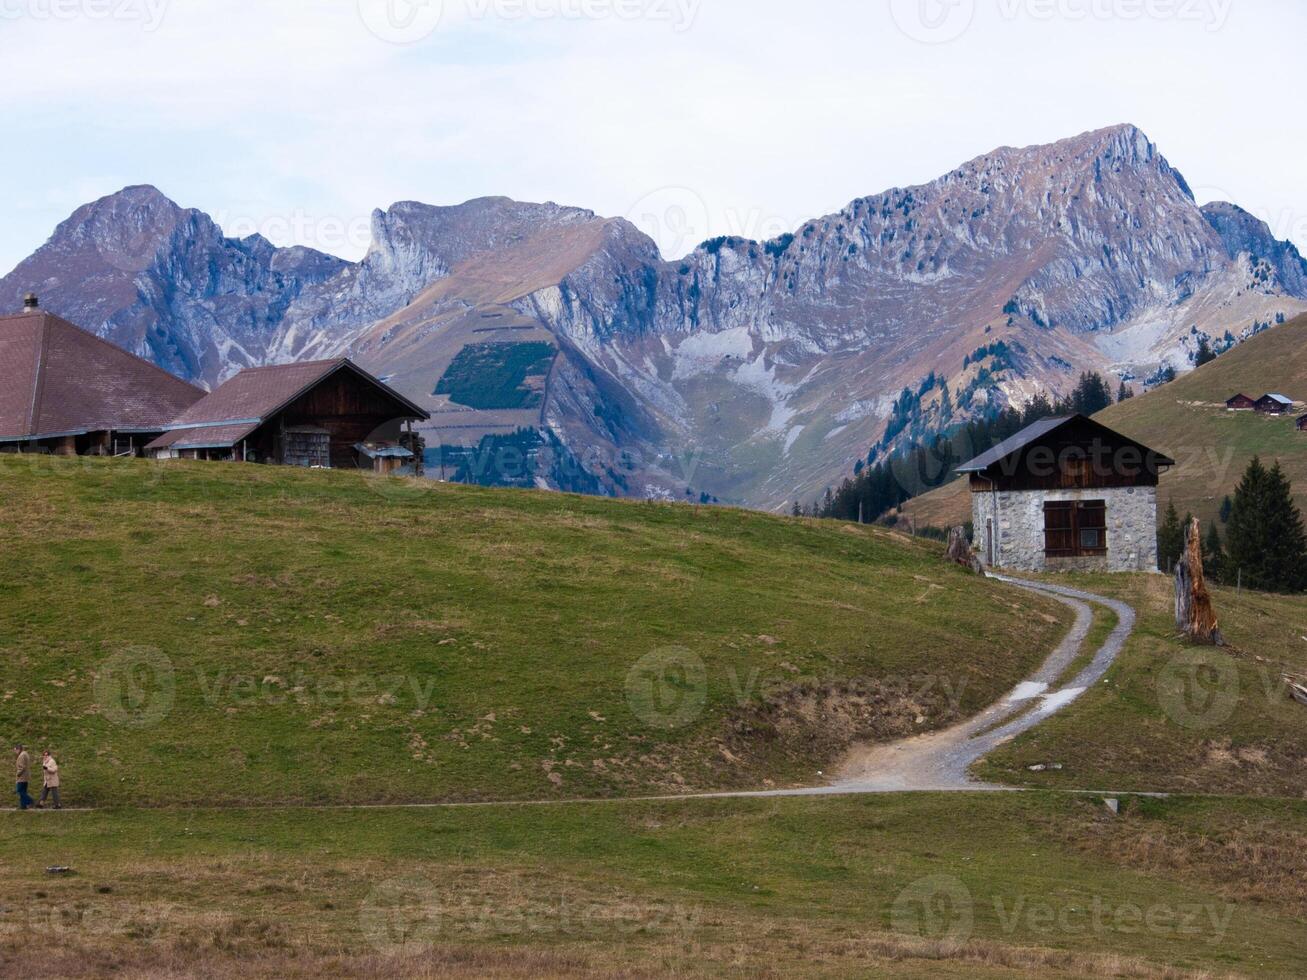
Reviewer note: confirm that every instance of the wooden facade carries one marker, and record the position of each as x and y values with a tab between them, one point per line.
1273	405
337	414
1078	454
1302	424
327	415
1241	403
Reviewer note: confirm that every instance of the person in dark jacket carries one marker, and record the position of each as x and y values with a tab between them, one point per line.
23	767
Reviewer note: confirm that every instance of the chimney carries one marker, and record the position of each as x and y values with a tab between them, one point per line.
30	303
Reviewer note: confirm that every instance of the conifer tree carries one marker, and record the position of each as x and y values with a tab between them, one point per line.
1170	539
1214	554
1266	541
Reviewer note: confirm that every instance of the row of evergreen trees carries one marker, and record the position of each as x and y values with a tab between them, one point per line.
1265	544
880	485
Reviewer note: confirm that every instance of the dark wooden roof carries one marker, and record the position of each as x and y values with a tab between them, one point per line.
240	405
57	379
1013	444
1039	431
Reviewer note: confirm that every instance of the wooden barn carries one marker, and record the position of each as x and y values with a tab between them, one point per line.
327	414
66	391
1241	403
1302	424
1274	404
1067	494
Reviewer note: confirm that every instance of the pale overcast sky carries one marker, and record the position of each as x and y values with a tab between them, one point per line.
693	117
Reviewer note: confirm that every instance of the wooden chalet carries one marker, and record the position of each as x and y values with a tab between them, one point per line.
1274	404
1241	403
1067	494
1302	424
325	414
68	392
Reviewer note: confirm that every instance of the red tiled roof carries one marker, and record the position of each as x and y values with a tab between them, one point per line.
240	405
57	379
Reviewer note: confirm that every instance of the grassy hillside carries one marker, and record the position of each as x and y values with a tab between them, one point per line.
928	886
212	633
1187	420
1177	718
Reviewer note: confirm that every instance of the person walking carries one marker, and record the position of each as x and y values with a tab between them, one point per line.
50	780
24	765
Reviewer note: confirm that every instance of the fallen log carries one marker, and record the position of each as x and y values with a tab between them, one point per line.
1194	614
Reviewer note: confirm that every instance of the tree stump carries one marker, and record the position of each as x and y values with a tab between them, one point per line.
959	550
1193	603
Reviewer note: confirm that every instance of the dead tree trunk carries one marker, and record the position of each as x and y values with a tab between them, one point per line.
1193	603
959	550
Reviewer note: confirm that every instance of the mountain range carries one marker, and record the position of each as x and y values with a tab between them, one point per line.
751	372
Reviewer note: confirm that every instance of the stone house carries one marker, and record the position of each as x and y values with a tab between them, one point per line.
1067	494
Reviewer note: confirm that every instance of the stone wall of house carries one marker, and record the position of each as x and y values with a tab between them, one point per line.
1018	530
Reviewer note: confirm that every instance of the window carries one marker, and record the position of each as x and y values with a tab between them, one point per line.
1075	528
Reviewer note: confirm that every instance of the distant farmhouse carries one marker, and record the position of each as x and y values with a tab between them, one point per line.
1275	404
1241	403
328	414
1067	494
67	392
1302	424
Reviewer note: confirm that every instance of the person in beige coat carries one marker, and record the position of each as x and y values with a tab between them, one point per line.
50	786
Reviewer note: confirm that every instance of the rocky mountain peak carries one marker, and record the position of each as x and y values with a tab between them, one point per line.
777	363
1243	233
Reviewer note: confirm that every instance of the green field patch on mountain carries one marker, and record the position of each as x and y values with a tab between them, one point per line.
498	376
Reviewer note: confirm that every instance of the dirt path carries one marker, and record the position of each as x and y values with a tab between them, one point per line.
939	761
